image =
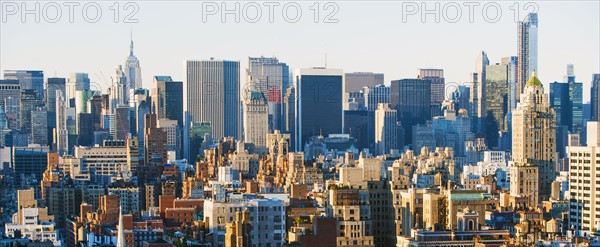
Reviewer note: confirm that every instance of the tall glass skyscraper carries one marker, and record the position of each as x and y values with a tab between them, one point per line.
496	101
319	105
412	100
567	100
212	94
271	77
527	50
167	99
595	98
29	79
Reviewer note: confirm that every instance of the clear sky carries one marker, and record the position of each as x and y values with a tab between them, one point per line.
369	36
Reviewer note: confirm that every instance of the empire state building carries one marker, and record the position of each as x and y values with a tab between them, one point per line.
133	72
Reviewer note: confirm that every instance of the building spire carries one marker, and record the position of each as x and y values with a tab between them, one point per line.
131	45
121	232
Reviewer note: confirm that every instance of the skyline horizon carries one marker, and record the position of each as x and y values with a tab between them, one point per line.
168	61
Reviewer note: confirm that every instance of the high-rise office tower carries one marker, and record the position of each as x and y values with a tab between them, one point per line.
39	126
385	129
60	132
360	124
118	90
167	99
595	98
156	146
139	96
52	85
142	109
271	77
255	118
478	91
29	102
461	97
81	100
289	114
566	99
354	82
319	104
173	131
85	129
133	72
94	107
411	98
28	79
120	128
512	63
9	89
212	95
496	101
438	84
76	82
585	182
527	50
375	95
533	136
29	161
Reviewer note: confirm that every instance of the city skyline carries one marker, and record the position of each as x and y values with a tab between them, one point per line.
369	124
562	41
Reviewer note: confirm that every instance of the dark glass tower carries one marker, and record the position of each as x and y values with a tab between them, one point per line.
168	99
319	106
412	100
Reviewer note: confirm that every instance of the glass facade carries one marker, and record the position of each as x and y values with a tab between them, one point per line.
320	106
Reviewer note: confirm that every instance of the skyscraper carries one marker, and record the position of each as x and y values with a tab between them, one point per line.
595	97
167	99
39	126
9	89
478	91
534	133
53	84
76	82
60	132
385	129
354	82
566	99
212	95
28	79
512	64
527	50
289	114
133	72
411	98
271	77
585	182
319	103
360	124
255	118
118	90
29	102
94	107
28	161
496	101
438	84
375	95
120	123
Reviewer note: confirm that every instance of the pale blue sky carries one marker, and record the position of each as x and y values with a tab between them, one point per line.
370	36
